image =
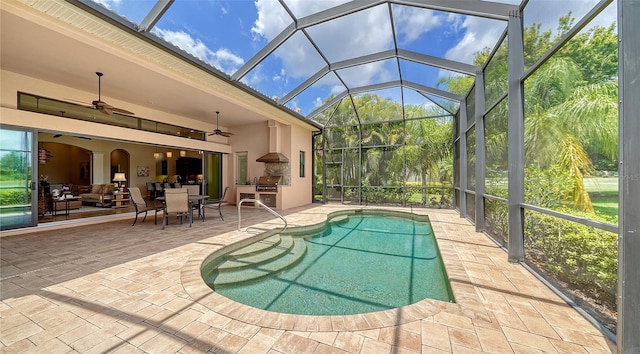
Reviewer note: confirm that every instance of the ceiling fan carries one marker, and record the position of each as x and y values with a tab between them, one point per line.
102	106
218	131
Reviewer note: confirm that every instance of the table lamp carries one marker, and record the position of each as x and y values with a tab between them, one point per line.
119	177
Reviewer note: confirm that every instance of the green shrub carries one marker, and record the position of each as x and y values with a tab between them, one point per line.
547	188
14	196
581	256
497	219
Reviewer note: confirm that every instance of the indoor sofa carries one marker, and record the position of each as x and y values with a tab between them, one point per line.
99	195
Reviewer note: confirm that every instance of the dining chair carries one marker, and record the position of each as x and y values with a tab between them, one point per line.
159	189
217	203
176	201
140	204
195	190
151	190
192	188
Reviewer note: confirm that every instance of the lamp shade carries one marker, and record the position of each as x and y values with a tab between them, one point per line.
169	154
119	177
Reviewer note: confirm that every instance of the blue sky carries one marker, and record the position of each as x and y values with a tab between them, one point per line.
228	33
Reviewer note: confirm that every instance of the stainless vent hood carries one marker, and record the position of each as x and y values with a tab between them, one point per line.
273	157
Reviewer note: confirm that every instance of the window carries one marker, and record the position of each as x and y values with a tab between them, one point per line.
301	163
241	174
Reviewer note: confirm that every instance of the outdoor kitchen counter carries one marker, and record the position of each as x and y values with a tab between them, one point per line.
271	199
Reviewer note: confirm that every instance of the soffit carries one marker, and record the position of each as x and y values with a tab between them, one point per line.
63	44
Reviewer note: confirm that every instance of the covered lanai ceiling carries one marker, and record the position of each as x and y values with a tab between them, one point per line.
309	55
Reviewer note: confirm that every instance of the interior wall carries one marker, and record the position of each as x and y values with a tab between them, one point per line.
61	170
68	164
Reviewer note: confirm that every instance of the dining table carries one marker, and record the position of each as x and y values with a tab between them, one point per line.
193	199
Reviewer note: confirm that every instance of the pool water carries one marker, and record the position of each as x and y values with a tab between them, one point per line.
358	264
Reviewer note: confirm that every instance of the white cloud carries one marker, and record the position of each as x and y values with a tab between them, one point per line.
254	78
413	22
479	33
272	19
361	33
221	58
109	4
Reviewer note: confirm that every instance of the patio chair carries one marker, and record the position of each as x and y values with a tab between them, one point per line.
141	205
217	203
176	201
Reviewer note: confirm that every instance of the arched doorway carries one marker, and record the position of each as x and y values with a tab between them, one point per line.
120	161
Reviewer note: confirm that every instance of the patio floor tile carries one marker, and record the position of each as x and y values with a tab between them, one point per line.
109	287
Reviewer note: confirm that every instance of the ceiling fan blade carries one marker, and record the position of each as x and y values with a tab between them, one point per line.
73	136
120	110
109	109
226	134
83	103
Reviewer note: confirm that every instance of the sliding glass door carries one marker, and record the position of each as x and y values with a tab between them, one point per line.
17	183
213	174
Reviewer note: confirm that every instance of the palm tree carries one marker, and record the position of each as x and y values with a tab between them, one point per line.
563	116
570	109
428	145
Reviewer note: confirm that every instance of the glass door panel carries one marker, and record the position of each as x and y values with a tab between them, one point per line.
16	179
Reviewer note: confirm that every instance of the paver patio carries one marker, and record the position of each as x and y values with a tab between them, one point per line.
106	287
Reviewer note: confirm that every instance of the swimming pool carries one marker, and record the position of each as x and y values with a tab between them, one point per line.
355	263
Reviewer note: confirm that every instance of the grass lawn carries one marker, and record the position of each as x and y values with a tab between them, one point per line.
604	195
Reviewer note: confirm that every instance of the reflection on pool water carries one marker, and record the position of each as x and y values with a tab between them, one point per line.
352	264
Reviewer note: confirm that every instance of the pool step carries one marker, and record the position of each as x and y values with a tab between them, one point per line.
232	273
254	248
241	260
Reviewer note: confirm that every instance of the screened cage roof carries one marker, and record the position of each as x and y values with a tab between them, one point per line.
304	57
310	55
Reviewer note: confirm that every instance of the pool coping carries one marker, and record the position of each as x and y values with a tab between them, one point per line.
467	300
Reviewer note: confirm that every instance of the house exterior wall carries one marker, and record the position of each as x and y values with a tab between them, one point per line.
300	192
252	138
257	140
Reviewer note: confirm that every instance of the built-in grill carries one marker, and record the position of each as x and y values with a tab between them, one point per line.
267	184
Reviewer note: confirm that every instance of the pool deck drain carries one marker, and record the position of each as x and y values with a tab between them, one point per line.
144	293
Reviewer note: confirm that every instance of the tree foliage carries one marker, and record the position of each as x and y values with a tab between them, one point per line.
370	145
571	102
